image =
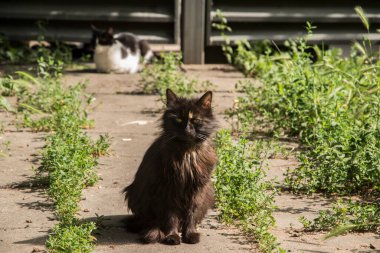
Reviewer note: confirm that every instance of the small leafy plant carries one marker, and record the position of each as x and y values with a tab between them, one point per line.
68	162
166	72
5	148
76	238
346	216
21	53
331	105
70	156
243	196
46	106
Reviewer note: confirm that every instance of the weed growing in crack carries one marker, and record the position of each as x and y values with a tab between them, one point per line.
43	106
166	72
49	67
4	104
346	216
42	110
331	104
68	161
76	238
21	53
70	156
5	148
243	196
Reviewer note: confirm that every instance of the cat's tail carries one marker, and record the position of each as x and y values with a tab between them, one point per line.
146	51
135	224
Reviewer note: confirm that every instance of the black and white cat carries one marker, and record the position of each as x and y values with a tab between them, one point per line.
119	53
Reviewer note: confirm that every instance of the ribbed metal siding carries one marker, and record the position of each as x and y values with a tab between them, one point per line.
336	20
155	20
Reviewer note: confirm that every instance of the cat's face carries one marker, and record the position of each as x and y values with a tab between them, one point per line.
188	119
104	38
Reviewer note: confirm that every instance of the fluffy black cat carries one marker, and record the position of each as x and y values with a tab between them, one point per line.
172	190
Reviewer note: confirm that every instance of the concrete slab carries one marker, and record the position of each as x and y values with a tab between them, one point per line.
132	122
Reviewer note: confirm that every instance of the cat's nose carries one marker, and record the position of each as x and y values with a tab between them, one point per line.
189	129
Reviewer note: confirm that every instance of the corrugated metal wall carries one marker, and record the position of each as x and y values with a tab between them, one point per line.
155	20
336	20
159	21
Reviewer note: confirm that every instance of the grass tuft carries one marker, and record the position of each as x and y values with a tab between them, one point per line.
69	157
243	196
331	105
166	72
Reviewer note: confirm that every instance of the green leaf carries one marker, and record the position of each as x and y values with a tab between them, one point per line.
28	77
340	230
4	103
359	10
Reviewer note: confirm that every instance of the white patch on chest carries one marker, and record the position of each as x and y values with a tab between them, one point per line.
110	59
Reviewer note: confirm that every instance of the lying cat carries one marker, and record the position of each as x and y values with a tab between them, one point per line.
119	53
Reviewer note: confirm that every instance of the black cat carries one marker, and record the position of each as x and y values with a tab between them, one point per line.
172	191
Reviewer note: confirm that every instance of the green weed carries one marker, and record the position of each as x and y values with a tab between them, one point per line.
4	104
49	67
68	162
243	196
52	110
5	148
42	107
21	53
166	72
12	87
70	156
14	53
221	24
250	58
331	104
75	239
346	215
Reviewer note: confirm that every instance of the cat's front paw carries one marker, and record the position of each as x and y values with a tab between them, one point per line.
191	238
152	236
172	239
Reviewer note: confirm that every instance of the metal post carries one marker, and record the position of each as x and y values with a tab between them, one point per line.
193	32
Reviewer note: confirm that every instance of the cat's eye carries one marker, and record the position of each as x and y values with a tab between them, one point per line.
178	120
196	121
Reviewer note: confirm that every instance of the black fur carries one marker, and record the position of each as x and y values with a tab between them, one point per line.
128	40
144	47
172	191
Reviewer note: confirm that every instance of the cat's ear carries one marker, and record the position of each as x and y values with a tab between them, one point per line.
109	30
95	30
171	98
205	100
